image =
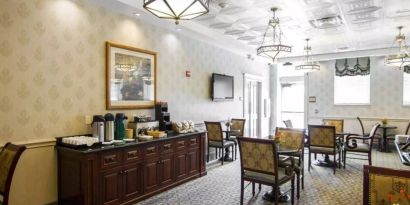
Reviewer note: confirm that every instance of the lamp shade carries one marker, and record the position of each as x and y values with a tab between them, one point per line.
177	9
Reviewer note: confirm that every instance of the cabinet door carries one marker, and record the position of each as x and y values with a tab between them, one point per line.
193	161
167	170
132	181
151	174
180	165
111	181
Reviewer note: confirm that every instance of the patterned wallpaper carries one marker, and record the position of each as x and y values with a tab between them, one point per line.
52	68
386	93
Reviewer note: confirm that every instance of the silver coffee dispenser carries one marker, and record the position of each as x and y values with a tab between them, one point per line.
109	127
98	127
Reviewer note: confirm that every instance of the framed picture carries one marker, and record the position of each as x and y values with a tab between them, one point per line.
131	77
312	99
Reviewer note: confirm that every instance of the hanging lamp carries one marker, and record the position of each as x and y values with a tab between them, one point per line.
177	9
402	58
308	66
271	47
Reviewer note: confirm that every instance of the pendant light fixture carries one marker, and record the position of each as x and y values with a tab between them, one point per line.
402	58
308	66
272	46
177	9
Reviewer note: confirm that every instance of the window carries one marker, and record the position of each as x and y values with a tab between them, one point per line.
352	90
406	88
292	103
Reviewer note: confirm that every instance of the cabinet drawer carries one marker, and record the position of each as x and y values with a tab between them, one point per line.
167	147
133	154
193	142
110	159
151	150
180	144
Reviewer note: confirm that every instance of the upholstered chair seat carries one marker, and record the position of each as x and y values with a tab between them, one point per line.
220	144
282	176
322	150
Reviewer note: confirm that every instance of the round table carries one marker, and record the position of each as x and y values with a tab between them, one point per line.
385	127
270	195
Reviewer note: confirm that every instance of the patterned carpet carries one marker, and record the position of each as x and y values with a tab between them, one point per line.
222	185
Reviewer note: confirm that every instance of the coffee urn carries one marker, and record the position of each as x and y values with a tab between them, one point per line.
98	127
119	126
109	127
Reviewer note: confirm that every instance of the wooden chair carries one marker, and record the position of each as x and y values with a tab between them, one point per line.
322	140
259	164
351	145
9	156
377	137
288	123
294	139
215	138
337	123
385	186
237	124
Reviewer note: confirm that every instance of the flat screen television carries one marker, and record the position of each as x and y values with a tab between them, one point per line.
222	87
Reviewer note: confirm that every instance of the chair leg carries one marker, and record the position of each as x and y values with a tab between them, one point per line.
223	158
315	156
344	159
340	159
309	161
292	197
260	186
276	190
303	178
253	188
216	152
207	157
242	187
236	150
370	158
297	185
334	160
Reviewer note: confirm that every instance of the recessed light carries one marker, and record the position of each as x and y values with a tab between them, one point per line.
179	29
136	14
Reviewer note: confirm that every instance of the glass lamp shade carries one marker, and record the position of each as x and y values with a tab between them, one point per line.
272	51
308	67
177	9
398	61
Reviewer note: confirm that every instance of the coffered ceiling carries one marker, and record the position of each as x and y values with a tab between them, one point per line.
332	25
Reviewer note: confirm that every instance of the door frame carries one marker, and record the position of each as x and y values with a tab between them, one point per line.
259	80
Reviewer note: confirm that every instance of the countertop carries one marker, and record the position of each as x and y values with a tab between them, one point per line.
98	148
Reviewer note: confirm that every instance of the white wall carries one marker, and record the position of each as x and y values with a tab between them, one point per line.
386	98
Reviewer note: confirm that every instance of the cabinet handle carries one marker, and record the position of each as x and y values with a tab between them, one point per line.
151	149
167	146
193	141
132	154
181	143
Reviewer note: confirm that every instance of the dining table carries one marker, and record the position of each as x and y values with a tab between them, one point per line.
270	195
384	143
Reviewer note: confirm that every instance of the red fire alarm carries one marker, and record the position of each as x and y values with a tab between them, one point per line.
188	73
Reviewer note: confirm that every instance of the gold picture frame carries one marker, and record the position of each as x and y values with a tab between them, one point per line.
131	81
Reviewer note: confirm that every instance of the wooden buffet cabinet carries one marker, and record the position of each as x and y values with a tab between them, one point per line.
125	174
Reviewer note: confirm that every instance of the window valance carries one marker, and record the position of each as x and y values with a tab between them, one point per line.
352	66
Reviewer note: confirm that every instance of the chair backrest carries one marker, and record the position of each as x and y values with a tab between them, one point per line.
288	123
9	156
385	186
214	130
373	134
258	155
338	124
290	137
238	124
322	136
408	129
361	125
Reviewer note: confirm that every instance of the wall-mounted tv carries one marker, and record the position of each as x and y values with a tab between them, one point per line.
222	87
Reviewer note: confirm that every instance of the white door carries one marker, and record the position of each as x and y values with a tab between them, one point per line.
252	107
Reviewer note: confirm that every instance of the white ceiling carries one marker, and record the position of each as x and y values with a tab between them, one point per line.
366	24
